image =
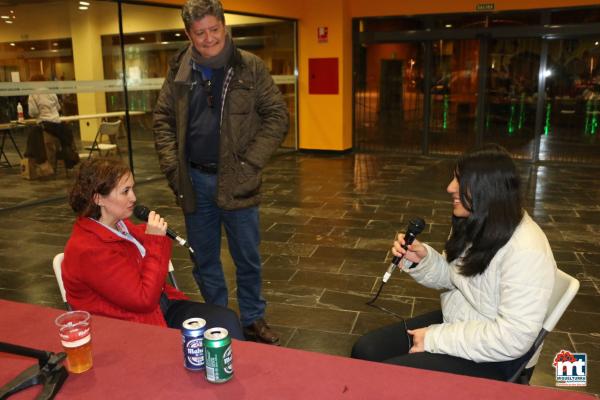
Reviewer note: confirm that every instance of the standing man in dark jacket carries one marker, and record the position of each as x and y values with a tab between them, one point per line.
217	121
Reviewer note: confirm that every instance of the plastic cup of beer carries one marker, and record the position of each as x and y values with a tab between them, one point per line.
75	330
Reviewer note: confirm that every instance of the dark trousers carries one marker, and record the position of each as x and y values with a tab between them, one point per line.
390	344
64	135
243	237
177	311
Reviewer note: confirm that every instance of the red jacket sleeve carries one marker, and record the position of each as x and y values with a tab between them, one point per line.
118	272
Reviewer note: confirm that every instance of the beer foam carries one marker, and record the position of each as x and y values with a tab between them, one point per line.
76	343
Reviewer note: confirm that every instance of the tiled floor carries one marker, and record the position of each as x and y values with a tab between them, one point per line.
327	225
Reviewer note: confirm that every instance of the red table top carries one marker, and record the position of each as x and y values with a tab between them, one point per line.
133	361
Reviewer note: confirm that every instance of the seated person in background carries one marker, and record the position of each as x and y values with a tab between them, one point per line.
45	107
498	270
117	269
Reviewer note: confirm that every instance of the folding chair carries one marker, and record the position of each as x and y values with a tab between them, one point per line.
565	289
111	131
57	266
172	275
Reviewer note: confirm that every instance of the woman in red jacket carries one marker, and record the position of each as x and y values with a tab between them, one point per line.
117	269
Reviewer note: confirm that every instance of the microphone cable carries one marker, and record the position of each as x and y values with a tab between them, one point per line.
415	226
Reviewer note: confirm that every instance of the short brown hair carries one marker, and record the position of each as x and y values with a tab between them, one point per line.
95	176
195	10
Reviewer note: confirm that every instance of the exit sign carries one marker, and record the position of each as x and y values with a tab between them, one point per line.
484	7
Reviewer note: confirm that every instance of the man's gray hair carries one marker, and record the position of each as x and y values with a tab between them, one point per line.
194	10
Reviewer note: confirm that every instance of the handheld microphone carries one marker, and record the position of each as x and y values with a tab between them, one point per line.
415	226
142	212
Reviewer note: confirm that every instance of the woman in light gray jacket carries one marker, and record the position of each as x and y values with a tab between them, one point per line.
498	270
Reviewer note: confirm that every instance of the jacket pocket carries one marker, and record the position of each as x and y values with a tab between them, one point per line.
241	97
249	180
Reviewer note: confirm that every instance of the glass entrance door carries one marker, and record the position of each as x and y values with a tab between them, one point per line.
511	94
572	108
454	90
388	100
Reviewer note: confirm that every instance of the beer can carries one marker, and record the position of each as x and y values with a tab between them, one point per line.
192	332
217	353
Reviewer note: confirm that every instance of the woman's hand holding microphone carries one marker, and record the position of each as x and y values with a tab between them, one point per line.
414	252
156	225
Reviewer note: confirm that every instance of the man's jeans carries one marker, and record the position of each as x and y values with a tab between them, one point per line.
243	236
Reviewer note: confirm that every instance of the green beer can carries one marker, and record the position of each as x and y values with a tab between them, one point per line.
217	355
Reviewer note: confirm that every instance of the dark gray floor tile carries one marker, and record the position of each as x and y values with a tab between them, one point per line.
565	256
310	318
321	240
285	293
373	268
323	342
327	280
369	321
291	249
579	322
407	287
350	254
358	302
306	229
586	303
331	222
278	274
304	263
589	344
423	306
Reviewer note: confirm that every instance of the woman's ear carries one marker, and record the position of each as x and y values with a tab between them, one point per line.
97	199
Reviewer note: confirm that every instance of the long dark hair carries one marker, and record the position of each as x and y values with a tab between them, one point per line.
490	191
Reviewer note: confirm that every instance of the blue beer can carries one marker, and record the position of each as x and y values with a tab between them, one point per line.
192	332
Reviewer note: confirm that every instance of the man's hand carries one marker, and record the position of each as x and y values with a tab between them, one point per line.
418	339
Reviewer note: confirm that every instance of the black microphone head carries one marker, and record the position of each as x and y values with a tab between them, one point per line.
416	226
141	212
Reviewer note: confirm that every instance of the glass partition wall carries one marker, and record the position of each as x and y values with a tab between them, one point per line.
527	80
82	54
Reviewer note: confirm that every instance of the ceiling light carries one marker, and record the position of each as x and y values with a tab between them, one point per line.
448	25
596	43
84	3
142	38
8	21
32	48
164	42
5	17
55	44
178	34
12	44
83	7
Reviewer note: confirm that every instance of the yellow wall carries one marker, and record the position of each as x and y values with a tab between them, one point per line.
323	123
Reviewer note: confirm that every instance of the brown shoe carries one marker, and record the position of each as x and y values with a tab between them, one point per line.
259	331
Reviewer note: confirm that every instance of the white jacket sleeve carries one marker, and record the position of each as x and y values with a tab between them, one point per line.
32	107
526	282
433	271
